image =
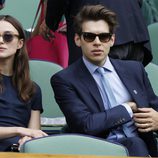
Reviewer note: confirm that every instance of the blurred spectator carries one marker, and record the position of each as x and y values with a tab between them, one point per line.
46	45
132	39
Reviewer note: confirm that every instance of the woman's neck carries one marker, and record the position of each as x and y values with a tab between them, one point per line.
6	68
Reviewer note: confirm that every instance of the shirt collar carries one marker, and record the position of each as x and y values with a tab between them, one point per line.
107	65
92	68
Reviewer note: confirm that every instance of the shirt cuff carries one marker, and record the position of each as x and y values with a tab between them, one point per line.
128	108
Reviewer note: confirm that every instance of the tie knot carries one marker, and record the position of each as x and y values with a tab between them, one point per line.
101	70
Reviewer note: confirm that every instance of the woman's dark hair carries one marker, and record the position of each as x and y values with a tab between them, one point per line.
21	76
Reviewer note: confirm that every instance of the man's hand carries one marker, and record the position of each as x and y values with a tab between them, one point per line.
133	106
146	119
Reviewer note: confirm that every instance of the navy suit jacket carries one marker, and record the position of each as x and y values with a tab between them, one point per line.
132	26
77	94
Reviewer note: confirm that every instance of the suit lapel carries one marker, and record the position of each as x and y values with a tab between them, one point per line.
89	82
128	81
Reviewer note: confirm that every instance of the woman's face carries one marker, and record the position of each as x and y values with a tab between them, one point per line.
9	41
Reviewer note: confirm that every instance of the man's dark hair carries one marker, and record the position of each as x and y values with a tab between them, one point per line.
95	13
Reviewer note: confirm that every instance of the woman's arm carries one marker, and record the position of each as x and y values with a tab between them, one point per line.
34	126
35	120
6	132
32	130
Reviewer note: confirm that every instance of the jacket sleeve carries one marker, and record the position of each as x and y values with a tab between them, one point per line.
81	110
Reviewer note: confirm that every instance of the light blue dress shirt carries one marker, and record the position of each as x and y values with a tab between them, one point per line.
119	90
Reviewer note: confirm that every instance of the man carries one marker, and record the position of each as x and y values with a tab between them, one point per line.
132	39
107	111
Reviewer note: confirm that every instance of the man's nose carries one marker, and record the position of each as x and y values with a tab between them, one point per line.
97	40
1	39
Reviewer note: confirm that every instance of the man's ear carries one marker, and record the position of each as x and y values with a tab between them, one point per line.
77	40
20	43
112	41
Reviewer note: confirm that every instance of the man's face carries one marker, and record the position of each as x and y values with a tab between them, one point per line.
95	49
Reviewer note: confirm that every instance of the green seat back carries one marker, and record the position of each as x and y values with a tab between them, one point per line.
152	70
41	72
23	10
73	144
153	32
156	4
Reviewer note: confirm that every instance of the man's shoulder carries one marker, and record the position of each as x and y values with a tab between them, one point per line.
71	70
125	62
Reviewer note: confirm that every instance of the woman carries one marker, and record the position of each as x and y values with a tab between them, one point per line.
51	49
20	98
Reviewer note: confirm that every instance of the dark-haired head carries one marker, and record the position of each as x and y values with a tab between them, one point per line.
95	13
21	77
